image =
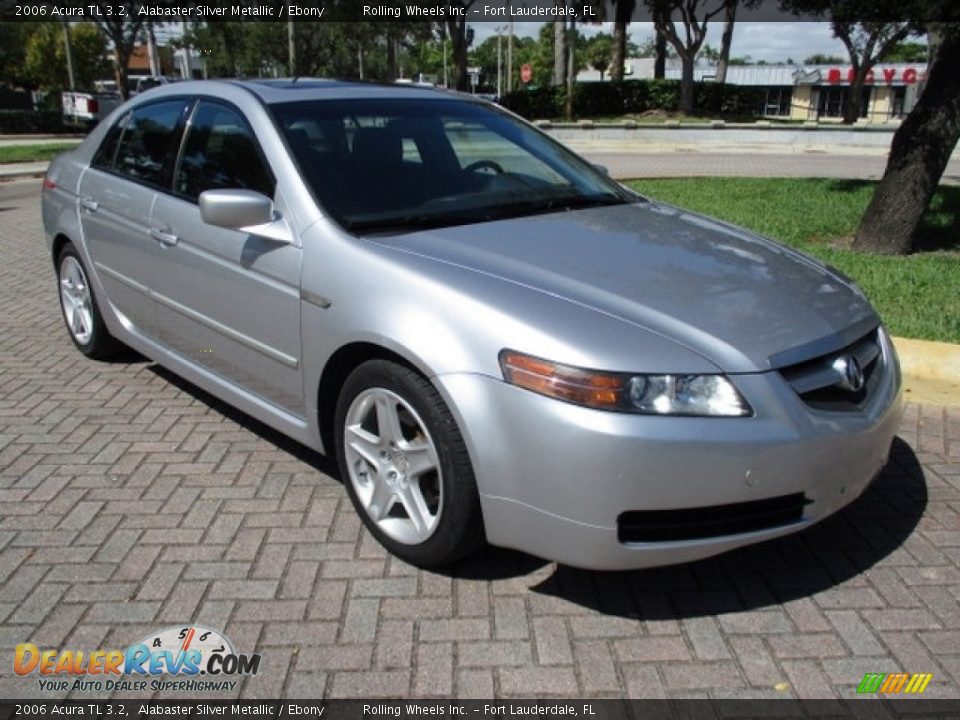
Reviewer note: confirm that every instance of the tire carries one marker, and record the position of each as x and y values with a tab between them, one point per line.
412	483
80	310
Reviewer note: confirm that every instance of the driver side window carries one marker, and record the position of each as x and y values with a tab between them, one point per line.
220	152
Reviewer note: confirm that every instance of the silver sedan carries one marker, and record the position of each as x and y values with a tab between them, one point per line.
496	340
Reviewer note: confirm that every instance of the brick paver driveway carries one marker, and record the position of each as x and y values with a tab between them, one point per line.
131	501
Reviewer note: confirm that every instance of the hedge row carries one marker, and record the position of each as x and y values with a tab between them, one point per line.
632	96
32	121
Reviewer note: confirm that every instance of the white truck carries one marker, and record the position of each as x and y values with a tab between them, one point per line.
80	108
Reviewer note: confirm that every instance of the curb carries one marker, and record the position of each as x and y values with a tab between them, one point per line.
931	370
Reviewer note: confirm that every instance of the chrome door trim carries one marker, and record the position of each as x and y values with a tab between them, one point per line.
252	343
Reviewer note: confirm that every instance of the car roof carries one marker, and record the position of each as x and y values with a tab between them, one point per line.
281	90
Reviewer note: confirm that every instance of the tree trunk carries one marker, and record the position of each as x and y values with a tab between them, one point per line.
854	101
619	50
559	49
391	58
660	56
458	38
686	84
918	155
121	59
730	17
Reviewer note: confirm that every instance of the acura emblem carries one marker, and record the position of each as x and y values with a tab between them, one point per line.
850	372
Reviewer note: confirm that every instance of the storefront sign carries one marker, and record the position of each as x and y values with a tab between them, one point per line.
907	76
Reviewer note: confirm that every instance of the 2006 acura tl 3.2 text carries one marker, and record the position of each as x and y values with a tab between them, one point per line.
496	340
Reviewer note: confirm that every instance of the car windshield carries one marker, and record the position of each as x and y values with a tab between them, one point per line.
398	165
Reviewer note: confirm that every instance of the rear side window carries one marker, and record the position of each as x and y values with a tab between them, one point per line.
220	152
148	142
107	152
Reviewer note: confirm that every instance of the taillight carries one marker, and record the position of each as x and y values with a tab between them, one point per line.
92	106
48	184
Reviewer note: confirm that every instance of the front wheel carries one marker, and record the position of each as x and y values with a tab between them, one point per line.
80	310
406	466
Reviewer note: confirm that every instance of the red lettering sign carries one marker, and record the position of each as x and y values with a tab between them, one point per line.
833	76
889	74
909	76
868	78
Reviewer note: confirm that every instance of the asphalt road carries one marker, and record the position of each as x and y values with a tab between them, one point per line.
131	501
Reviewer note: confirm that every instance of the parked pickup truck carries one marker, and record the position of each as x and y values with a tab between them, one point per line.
80	108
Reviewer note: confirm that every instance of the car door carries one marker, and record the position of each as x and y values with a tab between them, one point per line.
226	299
116	198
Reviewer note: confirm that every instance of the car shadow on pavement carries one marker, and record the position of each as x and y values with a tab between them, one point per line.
317	461
825	555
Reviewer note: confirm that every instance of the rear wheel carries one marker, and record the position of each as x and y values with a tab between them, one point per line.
80	310
406	466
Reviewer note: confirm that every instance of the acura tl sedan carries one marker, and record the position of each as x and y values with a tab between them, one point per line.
497	341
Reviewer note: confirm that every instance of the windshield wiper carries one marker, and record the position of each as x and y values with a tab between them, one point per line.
563	202
410	223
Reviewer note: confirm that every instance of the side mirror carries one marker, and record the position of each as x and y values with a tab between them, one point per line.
235	209
603	169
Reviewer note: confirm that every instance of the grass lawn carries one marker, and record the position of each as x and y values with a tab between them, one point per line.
32	153
918	296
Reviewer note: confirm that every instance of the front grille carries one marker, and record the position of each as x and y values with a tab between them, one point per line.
820	386
709	522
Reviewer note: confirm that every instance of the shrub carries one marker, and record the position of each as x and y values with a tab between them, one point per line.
592	99
632	96
32	121
537	103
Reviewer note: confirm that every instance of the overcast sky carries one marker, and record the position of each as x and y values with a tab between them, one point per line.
770	41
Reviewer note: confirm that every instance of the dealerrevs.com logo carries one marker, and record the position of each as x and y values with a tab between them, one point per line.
183	653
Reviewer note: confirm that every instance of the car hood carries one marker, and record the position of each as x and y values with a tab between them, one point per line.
741	301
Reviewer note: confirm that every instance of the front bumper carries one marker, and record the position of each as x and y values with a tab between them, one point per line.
553	477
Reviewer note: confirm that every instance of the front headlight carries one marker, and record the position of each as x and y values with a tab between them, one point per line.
694	395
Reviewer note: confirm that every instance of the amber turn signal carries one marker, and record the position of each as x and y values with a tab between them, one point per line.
582	387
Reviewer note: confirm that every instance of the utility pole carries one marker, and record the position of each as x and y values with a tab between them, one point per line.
291	49
571	66
446	79
152	54
68	46
186	67
499	62
510	56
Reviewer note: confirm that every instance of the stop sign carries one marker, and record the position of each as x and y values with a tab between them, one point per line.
526	72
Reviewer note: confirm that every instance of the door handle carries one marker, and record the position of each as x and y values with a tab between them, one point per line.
89	204
163	237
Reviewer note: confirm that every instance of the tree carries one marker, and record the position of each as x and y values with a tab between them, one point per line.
869	31
694	16
45	60
918	154
821	59
599	54
460	38
559	47
659	43
908	52
709	54
729	18
14	37
623	11
122	30
867	44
